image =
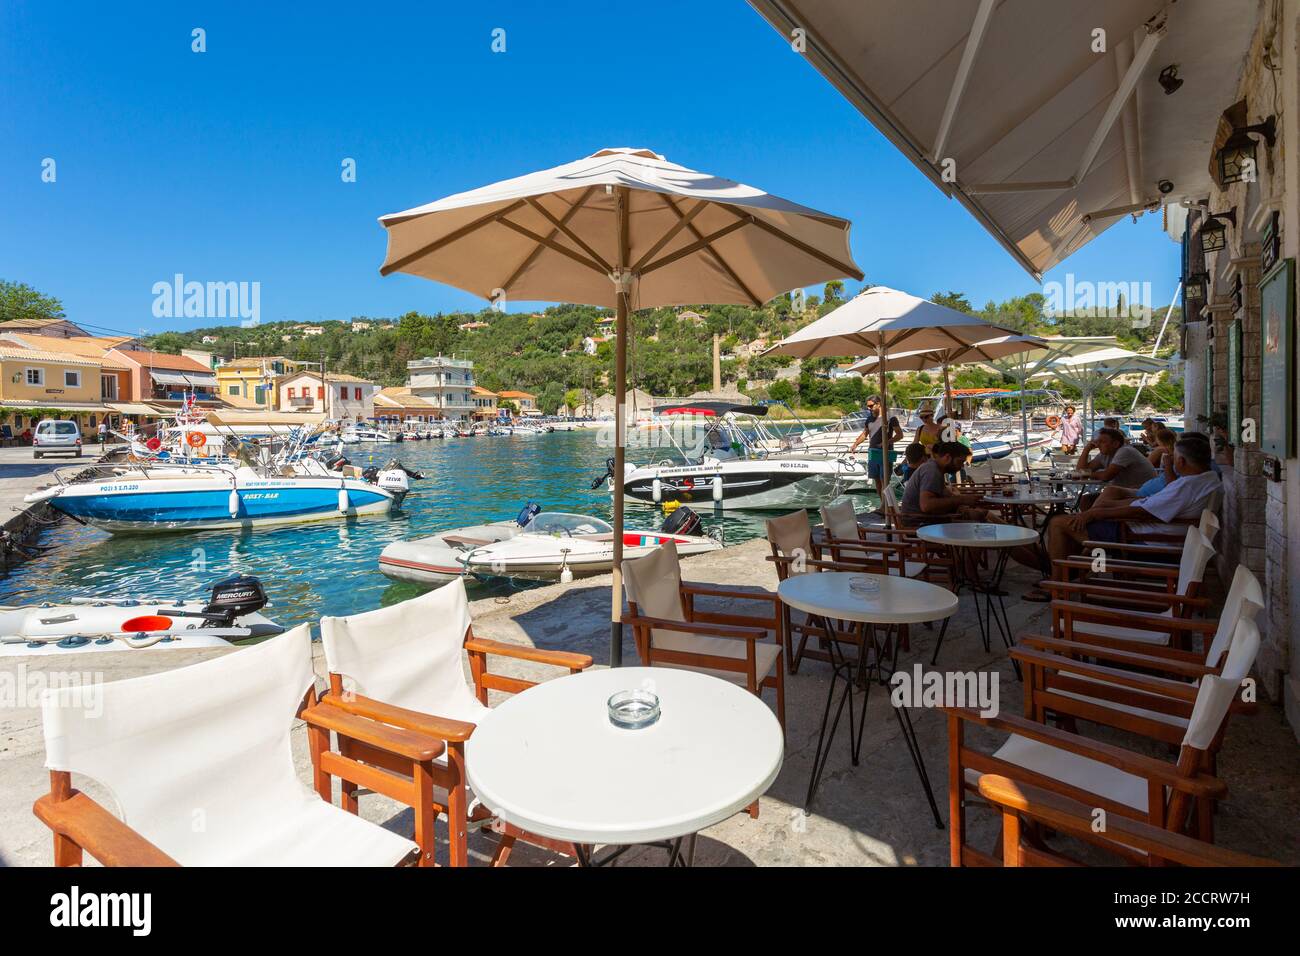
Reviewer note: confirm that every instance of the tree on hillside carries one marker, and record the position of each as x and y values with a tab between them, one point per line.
833	291
954	300
20	301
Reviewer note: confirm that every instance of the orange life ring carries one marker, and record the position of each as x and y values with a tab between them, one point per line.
196	439
1052	421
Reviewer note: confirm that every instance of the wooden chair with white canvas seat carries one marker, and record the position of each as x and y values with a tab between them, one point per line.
1178	796
671	631
200	764
403	665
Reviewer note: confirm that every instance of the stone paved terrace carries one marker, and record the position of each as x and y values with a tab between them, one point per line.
873	814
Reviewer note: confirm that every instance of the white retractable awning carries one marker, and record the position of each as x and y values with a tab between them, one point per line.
187	379
1046	120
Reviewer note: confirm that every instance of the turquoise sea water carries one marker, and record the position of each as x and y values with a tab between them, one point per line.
331	567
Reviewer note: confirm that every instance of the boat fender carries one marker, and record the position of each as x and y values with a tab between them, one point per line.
657	490
566	572
717	487
233	503
343	498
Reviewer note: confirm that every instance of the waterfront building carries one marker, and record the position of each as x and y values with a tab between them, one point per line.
485	403
35	383
526	401
254	378
160	377
340	397
396	404
445	383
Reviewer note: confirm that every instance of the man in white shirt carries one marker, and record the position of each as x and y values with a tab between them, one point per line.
1184	497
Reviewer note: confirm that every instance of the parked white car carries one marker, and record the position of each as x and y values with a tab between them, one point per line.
56	438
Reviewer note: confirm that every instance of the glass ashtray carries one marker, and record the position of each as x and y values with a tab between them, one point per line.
633	709
864	586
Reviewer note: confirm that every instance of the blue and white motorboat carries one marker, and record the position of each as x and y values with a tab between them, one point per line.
191	497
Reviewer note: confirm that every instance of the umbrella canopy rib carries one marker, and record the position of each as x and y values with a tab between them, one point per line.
572	236
704	242
451	237
537	250
717	256
554	246
683	220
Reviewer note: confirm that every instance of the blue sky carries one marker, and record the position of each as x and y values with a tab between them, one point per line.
225	165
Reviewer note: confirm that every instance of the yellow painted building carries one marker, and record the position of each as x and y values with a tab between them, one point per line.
253	379
33	381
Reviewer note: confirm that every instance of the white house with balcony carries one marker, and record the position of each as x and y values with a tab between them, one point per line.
340	397
445	383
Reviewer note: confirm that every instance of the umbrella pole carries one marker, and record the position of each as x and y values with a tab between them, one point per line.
884	423
620	430
947	392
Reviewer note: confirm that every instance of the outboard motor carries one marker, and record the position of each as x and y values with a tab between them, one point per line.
682	521
371	474
609	473
232	598
527	513
392	480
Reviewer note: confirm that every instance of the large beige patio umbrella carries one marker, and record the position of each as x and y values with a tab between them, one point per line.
882	322
1091	371
622	228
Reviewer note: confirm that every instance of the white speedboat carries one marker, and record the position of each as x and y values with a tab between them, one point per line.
733	467
536	546
232	613
369	433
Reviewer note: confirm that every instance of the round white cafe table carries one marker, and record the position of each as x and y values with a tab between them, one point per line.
899	601
1031	498
977	535
549	761
970	534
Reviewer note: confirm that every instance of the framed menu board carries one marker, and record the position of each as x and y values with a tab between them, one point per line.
1277	369
1234	382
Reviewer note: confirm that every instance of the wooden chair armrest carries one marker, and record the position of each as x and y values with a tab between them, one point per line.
1143	620
1123	594
573	661
1135	547
709	628
397	740
443	728
94	829
1149	768
717	590
1070	816
1180	690
1183	664
1143	568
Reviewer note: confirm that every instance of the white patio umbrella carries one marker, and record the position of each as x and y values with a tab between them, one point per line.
1091	371
922	359
882	322
1026	364
622	228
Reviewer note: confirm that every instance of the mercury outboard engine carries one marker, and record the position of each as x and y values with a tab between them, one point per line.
682	521
527	513
232	598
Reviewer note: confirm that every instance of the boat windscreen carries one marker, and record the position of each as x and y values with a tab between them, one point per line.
562	523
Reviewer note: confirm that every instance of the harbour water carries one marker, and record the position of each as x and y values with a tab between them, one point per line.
331	567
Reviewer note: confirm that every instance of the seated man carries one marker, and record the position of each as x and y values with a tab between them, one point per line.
928	493
1184	497
1116	460
914	456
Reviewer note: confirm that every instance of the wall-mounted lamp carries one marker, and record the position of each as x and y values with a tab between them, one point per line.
1214	231
1168	79
1237	154
1196	285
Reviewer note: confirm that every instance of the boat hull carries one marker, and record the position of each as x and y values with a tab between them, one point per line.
97	626
758	485
189	504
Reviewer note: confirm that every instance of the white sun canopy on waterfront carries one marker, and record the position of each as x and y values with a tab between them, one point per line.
1092	370
881	321
621	228
685	237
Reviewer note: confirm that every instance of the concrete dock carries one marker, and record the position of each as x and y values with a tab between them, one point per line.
873	814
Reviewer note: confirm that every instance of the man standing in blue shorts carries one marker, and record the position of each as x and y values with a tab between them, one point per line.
876	467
